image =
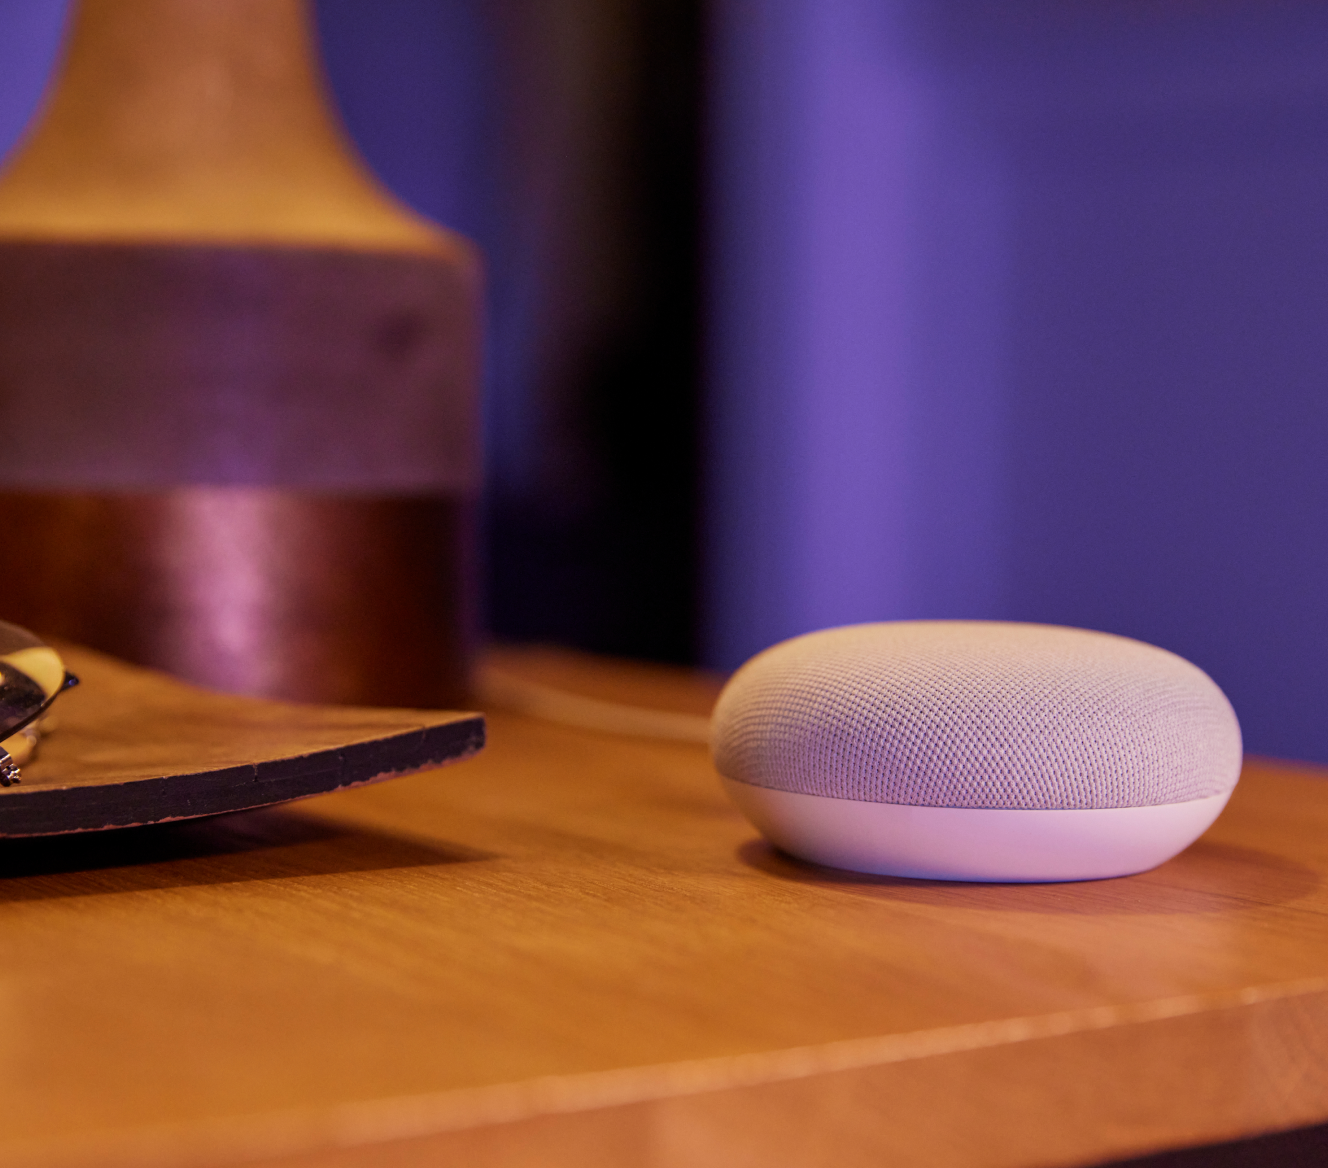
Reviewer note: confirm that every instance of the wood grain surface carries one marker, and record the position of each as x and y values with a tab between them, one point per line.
572	951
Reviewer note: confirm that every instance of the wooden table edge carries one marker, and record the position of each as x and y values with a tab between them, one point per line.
1016	1072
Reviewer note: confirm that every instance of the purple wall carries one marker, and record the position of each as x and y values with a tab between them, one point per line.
1022	312
413	80
856	405
29	37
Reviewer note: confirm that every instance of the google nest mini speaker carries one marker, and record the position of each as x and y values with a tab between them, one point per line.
975	750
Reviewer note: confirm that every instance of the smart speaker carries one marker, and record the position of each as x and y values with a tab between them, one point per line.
976	750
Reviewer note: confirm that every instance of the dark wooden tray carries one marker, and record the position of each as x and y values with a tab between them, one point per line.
133	746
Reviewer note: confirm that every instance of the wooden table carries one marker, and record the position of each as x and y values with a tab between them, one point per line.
572	952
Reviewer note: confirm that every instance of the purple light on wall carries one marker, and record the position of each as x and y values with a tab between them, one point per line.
1171	370
30	40
1020	313
855	454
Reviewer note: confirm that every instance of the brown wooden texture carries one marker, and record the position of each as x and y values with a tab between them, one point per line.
666	688
202	287
299	595
572	951
132	366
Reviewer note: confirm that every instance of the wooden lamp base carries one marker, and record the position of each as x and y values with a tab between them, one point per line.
358	600
238	381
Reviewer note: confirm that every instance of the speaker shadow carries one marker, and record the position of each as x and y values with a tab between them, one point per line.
1208	877
265	844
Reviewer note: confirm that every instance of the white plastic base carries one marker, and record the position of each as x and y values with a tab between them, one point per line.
966	843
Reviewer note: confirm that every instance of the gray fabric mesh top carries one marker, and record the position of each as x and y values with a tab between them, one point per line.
977	714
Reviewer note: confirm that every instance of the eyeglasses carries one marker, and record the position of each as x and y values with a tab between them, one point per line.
32	676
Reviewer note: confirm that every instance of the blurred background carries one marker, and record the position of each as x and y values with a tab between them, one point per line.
805	312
